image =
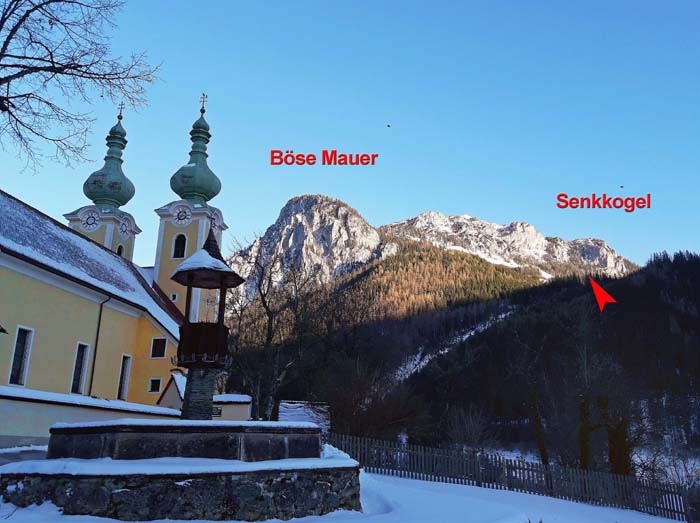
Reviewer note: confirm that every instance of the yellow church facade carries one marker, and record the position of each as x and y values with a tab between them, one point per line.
83	325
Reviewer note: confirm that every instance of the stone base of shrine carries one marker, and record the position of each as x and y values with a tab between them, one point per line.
130	439
185	488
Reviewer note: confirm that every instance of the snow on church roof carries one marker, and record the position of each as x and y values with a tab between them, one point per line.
29	233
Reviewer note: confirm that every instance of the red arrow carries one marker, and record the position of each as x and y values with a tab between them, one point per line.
601	296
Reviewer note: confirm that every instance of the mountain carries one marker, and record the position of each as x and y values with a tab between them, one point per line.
518	244
323	236
328	238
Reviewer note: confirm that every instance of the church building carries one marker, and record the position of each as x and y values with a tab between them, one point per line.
88	333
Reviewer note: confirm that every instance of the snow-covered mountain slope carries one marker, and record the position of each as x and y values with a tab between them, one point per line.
515	245
327	238
322	236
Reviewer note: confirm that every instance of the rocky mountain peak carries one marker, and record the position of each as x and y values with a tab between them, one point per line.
518	244
327	238
322	236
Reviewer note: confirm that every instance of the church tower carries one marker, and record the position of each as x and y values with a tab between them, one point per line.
185	223
109	189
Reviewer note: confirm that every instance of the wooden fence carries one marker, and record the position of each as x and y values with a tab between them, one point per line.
469	467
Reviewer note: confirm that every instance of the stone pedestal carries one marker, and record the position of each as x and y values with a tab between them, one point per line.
135	469
141	439
198	403
247	496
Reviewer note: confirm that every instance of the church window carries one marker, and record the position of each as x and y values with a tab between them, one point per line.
124	375
154	385
79	369
158	348
179	246
120	250
20	357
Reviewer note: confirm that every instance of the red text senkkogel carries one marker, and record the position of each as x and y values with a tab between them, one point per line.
603	201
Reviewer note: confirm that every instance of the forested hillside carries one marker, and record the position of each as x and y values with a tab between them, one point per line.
580	387
344	342
423	278
583	387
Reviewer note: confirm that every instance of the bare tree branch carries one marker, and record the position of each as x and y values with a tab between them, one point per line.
53	53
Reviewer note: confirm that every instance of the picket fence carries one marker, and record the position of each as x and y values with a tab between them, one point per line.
469	467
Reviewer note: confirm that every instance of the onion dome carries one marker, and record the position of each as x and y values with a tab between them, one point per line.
109	187
195	181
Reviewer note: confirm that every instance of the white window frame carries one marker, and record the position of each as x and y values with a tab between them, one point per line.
123	250
27	358
174	297
165	354
128	376
83	375
160	385
172	246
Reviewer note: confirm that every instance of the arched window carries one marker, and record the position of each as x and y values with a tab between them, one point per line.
120	250
179	246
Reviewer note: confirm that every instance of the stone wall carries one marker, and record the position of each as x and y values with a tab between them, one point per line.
251	496
245	443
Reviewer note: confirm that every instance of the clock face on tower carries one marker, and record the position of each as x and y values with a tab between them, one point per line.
90	221
182	215
124	229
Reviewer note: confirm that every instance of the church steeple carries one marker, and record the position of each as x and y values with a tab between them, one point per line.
109	187
195	181
186	223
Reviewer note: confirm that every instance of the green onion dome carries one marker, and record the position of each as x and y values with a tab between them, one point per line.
109	187
195	181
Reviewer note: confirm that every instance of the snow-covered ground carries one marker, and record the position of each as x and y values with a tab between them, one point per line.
26	448
394	500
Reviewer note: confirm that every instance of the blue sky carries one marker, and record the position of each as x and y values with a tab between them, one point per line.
495	108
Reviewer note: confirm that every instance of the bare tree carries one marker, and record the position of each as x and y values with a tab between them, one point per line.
53	52
271	317
469	428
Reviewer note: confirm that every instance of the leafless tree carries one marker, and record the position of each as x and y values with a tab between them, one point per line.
275	307
469	428
52	53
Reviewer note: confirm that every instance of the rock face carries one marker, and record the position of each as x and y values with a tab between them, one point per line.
515	245
250	496
322	236
327	238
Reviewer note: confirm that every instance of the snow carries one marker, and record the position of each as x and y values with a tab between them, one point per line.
232	398
147	273
202	260
26	448
420	360
84	401
517	244
181	383
32	234
129	422
169	465
305	411
388	499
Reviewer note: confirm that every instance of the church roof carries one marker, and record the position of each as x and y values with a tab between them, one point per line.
36	238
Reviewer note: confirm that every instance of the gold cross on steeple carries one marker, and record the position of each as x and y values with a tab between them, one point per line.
121	110
204	99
